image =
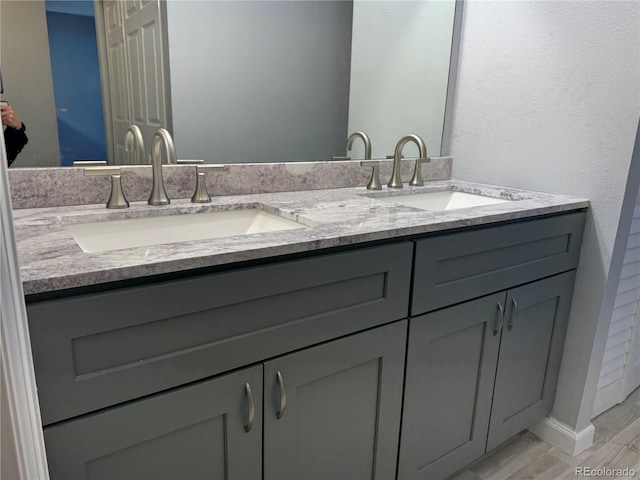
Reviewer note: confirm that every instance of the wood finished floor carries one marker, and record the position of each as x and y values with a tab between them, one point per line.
616	444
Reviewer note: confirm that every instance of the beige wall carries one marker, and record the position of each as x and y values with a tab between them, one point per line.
26	75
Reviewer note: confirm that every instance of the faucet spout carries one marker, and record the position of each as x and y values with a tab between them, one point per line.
365	138
158	193
396	180
133	138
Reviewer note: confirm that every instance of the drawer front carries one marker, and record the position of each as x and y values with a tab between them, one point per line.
97	350
453	268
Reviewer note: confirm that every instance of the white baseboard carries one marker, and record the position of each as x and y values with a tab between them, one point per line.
563	437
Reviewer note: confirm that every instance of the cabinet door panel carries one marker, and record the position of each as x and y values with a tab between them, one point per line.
530	354
192	433
451	362
343	403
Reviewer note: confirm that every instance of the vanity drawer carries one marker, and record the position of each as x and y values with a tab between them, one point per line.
97	350
453	268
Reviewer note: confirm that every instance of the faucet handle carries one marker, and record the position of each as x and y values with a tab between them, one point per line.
117	198
416	180
200	195
374	181
190	162
338	158
211	167
89	163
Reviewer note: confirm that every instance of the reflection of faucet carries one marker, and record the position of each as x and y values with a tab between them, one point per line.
134	136
365	139
374	181
158	193
396	180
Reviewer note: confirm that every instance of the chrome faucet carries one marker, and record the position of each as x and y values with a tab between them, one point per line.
396	180
134	137
158	193
365	139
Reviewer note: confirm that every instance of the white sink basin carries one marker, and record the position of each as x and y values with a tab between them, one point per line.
140	232
443	200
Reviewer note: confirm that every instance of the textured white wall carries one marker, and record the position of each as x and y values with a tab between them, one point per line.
548	99
399	71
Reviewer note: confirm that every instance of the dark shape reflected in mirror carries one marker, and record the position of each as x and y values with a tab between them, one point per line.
234	81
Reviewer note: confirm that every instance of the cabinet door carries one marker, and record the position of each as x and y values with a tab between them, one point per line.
451	362
530	354
191	433
333	411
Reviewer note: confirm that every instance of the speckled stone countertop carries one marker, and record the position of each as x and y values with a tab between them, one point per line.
51	260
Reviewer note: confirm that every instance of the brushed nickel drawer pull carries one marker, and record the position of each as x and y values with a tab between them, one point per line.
283	396
514	316
252	408
500	321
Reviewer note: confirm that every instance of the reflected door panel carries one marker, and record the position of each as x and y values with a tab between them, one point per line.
136	71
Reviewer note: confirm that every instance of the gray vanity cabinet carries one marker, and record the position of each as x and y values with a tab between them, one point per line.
330	411
333	411
127	377
122	374
451	364
477	376
100	349
194	432
530	353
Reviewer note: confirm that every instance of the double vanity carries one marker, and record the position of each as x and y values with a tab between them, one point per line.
318	334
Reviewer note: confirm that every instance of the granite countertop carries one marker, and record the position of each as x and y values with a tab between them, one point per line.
51	260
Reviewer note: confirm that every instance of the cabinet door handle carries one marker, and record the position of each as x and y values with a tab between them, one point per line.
514	315
500	320
283	396
252	408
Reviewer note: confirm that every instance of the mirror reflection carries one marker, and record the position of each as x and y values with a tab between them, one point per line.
234	81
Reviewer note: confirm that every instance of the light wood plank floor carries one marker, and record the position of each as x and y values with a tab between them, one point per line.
616	445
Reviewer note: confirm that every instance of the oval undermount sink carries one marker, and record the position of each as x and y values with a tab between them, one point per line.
441	200
109	235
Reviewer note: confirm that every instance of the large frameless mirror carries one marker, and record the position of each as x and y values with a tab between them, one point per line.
234	81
